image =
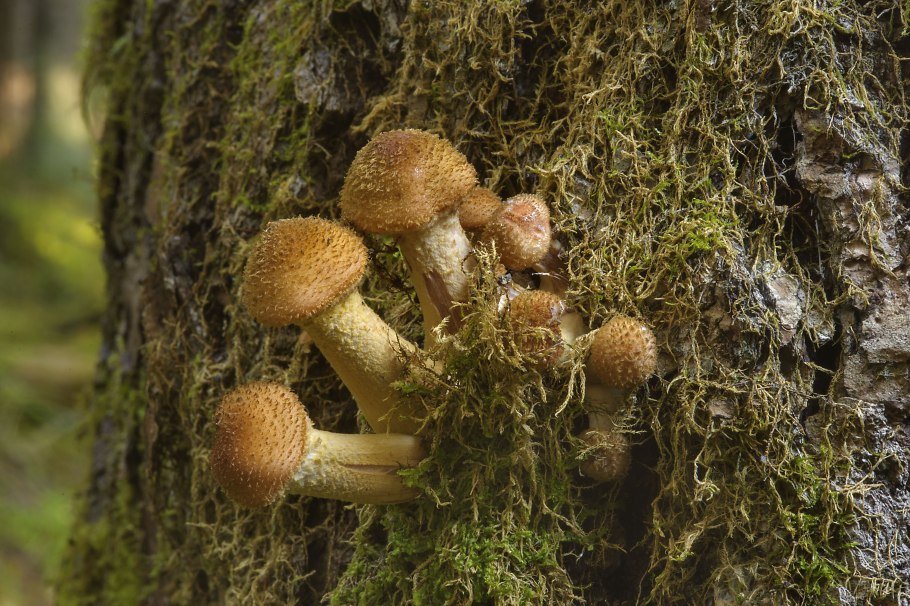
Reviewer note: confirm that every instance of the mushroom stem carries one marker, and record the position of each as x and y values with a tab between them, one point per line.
361	468
611	455
438	258
369	356
602	403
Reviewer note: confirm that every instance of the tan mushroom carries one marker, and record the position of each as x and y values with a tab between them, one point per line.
609	457
306	272
266	445
623	354
543	328
478	209
521	231
408	184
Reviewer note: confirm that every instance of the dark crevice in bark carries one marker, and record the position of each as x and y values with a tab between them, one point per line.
828	358
640	489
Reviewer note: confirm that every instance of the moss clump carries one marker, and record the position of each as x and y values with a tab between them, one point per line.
500	505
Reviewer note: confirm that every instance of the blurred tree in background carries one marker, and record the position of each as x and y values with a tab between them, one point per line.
52	289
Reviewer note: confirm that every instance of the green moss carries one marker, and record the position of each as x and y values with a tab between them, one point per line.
105	561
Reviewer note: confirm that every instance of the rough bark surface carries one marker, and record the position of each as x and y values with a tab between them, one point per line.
734	173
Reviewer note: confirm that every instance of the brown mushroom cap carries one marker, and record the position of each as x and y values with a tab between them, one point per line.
538	309
623	353
478	208
259	442
610	456
301	267
402	179
521	231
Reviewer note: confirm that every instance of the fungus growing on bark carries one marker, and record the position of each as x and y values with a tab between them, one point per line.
306	271
521	231
623	354
543	328
266	445
478	208
609	457
408	184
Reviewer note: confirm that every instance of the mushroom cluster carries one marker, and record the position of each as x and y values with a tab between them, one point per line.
417	188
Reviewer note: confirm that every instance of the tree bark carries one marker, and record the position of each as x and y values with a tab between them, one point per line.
734	174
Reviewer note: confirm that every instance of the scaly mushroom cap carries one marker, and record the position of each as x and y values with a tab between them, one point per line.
301	267
538	309
259	442
478	208
402	179
521	231
610	456
623	353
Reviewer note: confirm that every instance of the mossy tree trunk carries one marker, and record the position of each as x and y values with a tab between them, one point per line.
734	173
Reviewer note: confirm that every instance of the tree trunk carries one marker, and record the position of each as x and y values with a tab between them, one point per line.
734	174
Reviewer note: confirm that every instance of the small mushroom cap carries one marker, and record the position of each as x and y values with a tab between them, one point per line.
610	456
521	231
478	208
538	309
259	442
623	353
301	267
402	179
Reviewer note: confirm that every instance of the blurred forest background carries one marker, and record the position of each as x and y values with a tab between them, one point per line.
51	289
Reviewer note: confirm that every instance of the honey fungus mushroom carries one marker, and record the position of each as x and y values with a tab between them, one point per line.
409	184
543	327
623	354
306	271
266	445
610	454
478	209
521	231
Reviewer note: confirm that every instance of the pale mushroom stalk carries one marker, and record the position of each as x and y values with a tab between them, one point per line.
611	456
438	257
361	468
603	403
265	445
368	356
